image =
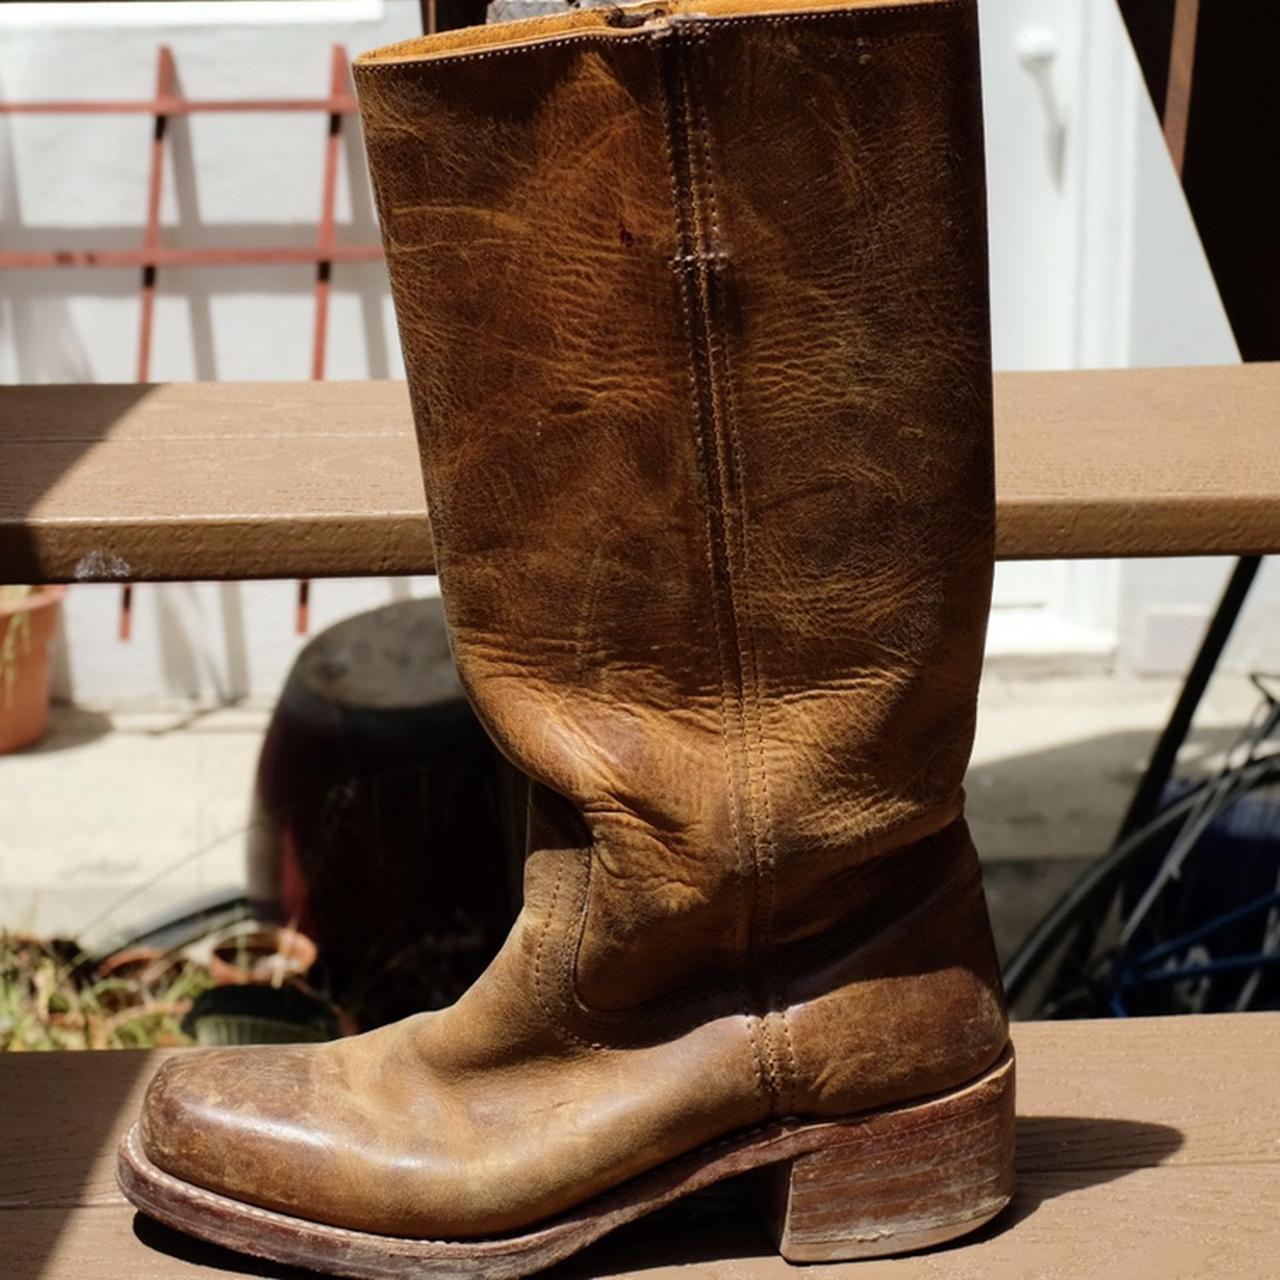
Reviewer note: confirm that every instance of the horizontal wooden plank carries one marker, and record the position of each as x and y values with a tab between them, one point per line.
209	480
252	480
1145	1148
1089	1095
1138	462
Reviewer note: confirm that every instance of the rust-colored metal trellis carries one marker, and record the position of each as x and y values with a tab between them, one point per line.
153	255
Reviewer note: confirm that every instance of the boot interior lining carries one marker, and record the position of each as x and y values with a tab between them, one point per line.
606	20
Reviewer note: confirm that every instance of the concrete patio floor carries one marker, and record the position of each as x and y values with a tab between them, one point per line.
117	818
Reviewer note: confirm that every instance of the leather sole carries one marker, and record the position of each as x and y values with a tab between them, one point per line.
885	1182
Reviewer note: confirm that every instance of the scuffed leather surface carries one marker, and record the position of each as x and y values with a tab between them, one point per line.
694	315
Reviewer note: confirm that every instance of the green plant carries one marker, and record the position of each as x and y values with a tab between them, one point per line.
51	997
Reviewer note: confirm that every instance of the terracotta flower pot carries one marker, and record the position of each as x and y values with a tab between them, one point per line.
26	628
267	955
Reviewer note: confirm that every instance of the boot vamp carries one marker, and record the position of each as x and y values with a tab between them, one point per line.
424	1129
344	1133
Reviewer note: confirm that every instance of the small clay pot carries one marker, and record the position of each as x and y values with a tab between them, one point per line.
263	955
141	964
26	628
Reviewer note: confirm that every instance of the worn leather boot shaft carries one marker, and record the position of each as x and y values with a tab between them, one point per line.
694	312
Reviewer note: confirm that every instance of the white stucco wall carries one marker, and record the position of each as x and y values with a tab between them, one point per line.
1094	262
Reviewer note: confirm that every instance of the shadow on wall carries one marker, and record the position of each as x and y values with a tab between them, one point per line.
51	341
40	326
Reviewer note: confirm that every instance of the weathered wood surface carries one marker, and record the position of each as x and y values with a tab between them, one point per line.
242	480
1147	1149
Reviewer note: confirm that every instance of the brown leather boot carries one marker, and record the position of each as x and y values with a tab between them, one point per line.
693	299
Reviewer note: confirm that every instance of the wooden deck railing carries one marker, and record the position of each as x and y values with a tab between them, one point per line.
238	480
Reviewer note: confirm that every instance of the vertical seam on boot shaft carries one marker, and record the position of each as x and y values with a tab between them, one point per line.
691	246
742	590
705	257
687	256
700	268
690	259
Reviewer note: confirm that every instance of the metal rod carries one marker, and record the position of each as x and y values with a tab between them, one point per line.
1177	97
166	91
1229	964
1198	934
342	104
165	86
173	256
1146	799
325	230
325	243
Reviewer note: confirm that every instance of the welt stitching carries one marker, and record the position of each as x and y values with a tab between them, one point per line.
419	63
769	1131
